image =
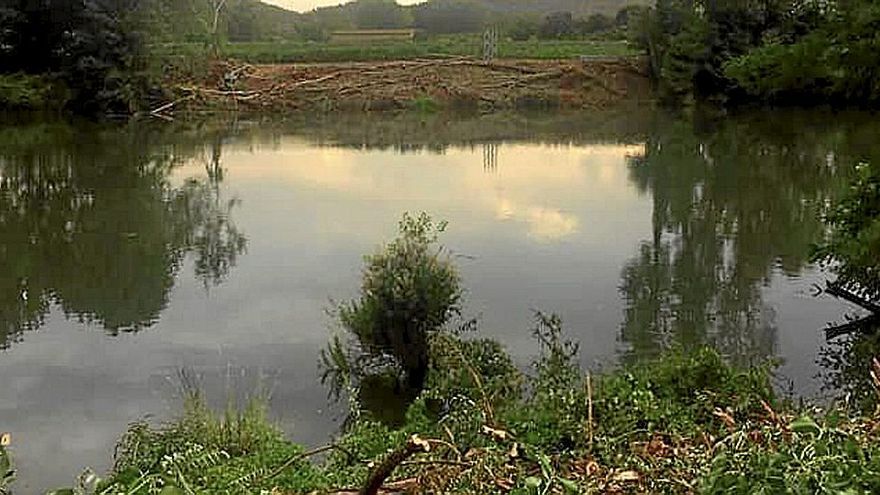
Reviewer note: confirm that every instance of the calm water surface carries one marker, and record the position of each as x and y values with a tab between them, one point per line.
128	253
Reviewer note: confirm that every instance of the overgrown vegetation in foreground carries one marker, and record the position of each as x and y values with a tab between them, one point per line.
685	423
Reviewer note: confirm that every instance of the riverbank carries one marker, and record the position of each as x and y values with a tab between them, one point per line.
684	423
421	84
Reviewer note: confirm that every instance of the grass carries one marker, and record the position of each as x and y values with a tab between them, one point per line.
463	45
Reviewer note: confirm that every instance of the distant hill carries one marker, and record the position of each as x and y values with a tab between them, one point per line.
254	20
190	20
343	16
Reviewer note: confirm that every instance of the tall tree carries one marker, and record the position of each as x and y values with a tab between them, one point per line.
90	45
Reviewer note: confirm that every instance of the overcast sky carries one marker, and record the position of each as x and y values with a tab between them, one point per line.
306	5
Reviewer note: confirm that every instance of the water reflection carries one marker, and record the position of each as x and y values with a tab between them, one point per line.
90	222
734	203
846	368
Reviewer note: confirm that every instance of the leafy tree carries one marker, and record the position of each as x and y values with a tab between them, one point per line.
837	59
523	28
596	23
627	14
852	249
311	31
176	20
690	41
91	46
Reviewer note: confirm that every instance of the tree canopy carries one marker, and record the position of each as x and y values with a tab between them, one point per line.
89	46
771	50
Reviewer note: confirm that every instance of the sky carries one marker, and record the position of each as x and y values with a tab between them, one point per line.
306	5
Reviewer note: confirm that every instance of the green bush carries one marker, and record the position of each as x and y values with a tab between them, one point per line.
203	452
409	290
679	393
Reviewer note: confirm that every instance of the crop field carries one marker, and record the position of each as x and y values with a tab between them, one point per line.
300	51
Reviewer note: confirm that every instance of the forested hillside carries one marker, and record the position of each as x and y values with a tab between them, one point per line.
238	20
253	20
579	8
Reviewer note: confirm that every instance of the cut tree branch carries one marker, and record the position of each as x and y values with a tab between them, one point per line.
374	482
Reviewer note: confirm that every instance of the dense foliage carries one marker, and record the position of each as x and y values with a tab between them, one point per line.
379	14
852	250
410	289
450	16
87	46
238	20
771	50
838	61
682	423
519	19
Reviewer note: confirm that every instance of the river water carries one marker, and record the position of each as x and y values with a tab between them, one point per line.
131	252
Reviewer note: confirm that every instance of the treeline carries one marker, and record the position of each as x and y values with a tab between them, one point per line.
518	20
95	56
253	20
777	51
230	20
82	54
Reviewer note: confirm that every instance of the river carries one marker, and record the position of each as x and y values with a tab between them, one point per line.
130	252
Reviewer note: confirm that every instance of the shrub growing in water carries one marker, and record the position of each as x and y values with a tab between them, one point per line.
409	289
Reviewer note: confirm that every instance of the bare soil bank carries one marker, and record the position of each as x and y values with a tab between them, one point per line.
421	84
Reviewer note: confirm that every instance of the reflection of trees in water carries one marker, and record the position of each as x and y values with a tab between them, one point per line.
89	220
729	207
490	157
436	133
846	365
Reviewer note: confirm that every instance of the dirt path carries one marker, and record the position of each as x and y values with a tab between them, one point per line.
458	82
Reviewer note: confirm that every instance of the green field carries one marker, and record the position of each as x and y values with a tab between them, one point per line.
292	51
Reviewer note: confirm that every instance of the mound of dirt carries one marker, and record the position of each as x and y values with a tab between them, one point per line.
459	82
